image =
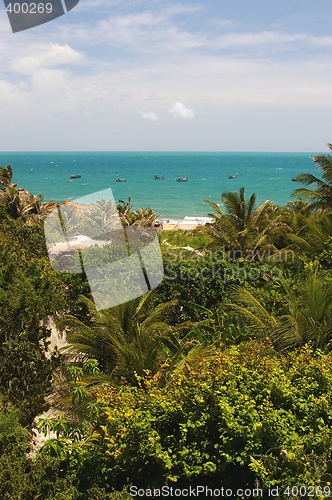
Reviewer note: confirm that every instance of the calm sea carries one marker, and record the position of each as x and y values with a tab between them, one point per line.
269	175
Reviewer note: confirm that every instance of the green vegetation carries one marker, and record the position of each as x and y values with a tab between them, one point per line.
238	415
243	227
321	197
221	376
19	204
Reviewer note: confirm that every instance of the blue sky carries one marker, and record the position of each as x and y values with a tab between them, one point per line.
159	75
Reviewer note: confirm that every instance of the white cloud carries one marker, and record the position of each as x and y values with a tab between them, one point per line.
145	31
44	55
80	80
176	9
266	39
150	115
179	110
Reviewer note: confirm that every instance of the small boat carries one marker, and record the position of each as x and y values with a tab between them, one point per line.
75	176
232	176
120	180
182	179
294	179
69	180
159	177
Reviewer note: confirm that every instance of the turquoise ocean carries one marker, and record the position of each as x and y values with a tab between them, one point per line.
269	175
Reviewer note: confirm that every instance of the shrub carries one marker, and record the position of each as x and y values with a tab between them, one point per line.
242	417
14	444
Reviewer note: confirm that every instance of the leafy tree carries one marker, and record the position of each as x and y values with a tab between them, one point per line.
30	291
321	197
25	376
14	445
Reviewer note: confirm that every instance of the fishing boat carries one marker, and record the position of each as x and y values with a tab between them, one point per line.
120	180
182	179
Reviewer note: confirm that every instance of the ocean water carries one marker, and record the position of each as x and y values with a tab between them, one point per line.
269	175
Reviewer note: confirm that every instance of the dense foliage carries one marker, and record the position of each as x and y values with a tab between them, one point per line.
240	415
221	376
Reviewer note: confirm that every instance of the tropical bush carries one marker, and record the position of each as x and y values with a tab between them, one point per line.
242	417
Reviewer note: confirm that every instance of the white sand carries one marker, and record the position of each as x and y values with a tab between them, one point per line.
185	223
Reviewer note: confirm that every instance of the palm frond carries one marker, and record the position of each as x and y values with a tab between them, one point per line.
250	308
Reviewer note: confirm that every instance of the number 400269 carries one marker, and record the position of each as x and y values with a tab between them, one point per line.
29	8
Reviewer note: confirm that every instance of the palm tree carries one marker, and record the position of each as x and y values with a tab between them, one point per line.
244	227
6	176
126	339
126	343
321	197
141	217
316	233
309	317
238	209
23	206
309	232
104	216
19	204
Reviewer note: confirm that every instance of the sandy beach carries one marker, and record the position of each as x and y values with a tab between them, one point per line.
187	223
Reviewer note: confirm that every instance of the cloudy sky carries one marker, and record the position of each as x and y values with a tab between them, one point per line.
160	75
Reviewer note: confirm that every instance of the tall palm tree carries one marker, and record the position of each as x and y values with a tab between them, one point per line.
309	317
244	227
321	197
238	209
